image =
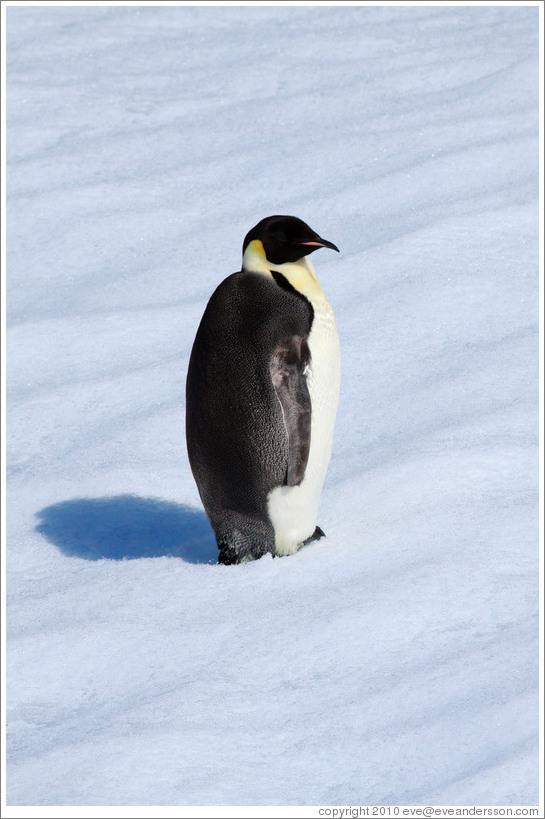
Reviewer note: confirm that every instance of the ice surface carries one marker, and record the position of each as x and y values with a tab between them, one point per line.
394	662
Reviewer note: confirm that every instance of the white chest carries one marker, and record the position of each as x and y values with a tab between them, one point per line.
293	510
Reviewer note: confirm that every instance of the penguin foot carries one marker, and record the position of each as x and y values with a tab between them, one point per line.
316	535
228	556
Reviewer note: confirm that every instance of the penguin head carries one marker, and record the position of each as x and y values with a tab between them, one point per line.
285	239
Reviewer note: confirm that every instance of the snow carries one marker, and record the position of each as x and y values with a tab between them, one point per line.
394	662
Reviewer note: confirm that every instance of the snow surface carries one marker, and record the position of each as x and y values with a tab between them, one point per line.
394	662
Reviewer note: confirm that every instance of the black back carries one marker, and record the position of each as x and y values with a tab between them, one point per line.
247	364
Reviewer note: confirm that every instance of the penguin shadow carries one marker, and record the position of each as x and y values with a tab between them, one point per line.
127	527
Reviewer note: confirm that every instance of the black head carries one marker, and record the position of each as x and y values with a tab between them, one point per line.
286	239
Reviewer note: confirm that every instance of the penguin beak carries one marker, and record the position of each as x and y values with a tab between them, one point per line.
321	243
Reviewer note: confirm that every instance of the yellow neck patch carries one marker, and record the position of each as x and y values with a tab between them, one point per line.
300	274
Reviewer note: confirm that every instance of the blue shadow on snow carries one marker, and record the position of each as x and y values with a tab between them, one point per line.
128	527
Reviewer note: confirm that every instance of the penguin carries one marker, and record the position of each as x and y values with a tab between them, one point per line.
261	395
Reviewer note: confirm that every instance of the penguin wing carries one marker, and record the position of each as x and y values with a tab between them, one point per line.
288	367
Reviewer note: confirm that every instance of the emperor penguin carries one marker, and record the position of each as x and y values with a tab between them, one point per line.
261	395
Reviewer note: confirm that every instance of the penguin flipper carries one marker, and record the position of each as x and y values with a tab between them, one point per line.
287	367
